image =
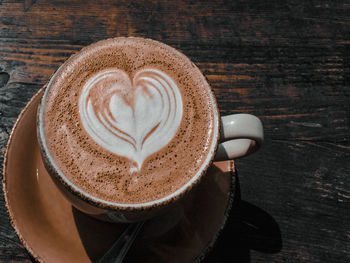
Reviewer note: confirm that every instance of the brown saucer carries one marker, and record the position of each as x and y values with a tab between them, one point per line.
53	231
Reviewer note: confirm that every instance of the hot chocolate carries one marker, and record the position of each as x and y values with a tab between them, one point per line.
129	120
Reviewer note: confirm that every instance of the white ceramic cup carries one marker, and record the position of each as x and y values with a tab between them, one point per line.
234	136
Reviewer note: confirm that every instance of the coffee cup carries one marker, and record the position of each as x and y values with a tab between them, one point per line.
128	126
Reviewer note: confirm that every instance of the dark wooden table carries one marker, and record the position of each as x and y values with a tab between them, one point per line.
288	62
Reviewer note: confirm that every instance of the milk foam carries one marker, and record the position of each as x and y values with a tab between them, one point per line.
131	118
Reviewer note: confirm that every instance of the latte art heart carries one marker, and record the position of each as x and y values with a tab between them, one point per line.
131	118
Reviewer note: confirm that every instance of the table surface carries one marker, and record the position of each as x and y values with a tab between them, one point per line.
287	62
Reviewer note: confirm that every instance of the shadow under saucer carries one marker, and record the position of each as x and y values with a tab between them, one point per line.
53	231
248	228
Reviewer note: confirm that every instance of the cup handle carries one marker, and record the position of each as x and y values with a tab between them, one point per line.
240	135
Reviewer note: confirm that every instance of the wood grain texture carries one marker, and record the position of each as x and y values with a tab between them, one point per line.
288	62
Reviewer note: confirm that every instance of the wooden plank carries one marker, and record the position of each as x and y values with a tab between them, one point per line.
306	195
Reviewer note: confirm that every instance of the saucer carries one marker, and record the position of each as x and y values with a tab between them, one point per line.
53	231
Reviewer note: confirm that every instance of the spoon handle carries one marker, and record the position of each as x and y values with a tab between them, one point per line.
121	247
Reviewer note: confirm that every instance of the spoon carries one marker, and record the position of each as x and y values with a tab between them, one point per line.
121	247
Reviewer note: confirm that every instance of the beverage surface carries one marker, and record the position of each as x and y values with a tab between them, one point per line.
129	120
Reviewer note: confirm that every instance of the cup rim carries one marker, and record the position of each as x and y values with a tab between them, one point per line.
55	171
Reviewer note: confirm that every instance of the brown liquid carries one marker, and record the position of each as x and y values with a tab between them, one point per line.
107	175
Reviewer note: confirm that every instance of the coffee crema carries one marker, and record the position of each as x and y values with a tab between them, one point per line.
129	120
